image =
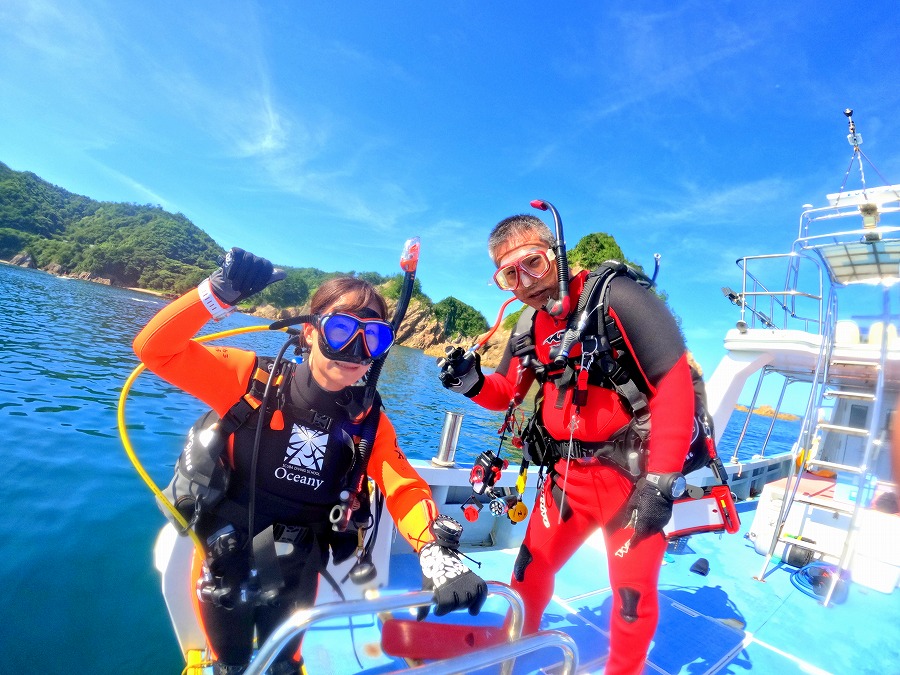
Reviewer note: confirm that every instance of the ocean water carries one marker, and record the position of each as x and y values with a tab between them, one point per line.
77	526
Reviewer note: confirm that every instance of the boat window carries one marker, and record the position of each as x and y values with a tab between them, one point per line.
858	416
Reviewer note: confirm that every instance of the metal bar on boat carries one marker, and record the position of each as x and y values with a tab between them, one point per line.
762	374
302	619
466	663
765	443
449	439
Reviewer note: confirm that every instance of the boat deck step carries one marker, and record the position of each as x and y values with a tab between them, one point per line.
867	364
857	395
850	431
834	466
827	504
811	545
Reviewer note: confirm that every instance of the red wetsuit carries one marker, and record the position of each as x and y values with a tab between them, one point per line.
596	492
286	494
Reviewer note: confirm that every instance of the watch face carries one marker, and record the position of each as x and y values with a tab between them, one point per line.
679	485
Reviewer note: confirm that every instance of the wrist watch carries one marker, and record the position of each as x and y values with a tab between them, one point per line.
672	485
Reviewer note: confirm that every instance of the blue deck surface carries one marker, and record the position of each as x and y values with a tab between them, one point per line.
784	630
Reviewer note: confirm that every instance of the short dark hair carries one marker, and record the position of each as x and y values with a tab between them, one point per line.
519	224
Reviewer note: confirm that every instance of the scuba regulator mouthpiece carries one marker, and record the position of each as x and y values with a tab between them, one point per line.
562	305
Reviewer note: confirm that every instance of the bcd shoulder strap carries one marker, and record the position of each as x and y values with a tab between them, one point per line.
250	402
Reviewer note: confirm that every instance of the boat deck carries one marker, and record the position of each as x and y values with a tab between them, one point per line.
725	622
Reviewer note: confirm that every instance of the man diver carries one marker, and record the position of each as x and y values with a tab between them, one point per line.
587	428
291	476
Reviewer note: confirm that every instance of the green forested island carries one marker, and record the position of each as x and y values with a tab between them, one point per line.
147	247
144	246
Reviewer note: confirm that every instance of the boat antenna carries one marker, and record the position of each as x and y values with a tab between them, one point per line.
561	306
854	138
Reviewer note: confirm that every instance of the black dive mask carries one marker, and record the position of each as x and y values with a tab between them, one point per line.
354	338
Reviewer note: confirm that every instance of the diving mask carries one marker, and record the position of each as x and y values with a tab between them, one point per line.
346	337
535	264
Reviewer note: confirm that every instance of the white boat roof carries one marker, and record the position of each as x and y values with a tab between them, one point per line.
875	262
877	195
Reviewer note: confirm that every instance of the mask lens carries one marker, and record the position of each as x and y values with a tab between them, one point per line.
339	329
379	337
536	265
507	277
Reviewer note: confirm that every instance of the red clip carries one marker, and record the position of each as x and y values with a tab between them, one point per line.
277	421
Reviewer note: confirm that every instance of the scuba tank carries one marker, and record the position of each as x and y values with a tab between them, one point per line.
201	477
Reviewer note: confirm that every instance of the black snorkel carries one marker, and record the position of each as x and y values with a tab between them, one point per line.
359	409
342	514
294	339
562	305
409	260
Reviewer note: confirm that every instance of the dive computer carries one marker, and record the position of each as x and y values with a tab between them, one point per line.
447	532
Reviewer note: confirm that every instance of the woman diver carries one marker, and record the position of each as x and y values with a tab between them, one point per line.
288	479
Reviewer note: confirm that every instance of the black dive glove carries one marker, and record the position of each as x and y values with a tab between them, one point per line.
241	275
455	586
648	511
461	371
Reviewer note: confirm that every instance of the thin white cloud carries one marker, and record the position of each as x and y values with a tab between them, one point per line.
62	35
634	64
705	206
362	62
146	194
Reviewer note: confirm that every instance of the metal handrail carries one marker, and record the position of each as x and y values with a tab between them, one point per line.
754	293
466	663
303	618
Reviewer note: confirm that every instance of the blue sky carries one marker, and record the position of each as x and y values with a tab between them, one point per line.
325	134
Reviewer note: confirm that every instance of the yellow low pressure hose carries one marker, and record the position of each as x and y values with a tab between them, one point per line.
126	441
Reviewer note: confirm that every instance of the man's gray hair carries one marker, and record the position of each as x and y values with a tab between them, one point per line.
522	224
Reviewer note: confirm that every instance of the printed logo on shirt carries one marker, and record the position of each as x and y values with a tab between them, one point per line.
306	449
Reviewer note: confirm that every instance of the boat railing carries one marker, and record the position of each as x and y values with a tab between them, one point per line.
765	305
482	658
788	380
304	618
852	204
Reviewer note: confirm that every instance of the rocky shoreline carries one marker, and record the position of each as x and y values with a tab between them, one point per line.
420	328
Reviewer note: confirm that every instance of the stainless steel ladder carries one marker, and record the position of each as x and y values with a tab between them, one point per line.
832	378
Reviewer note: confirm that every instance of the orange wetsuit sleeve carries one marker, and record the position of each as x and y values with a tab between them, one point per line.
407	495
216	375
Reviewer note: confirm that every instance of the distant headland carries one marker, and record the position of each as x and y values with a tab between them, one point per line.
768	411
